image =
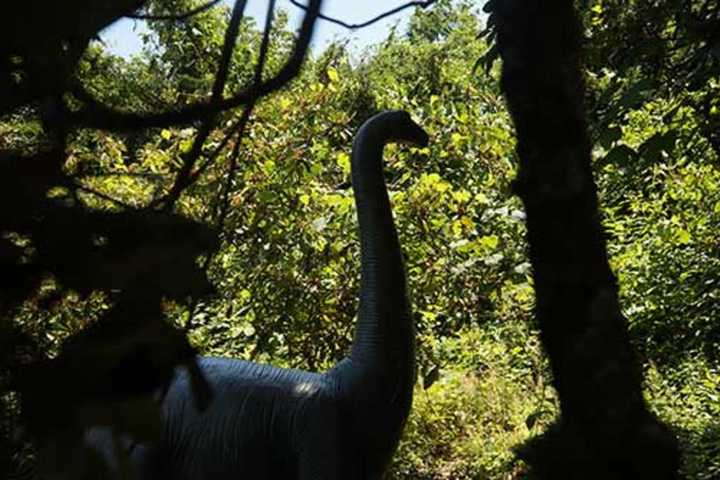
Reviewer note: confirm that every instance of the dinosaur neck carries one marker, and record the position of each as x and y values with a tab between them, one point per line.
382	354
378	376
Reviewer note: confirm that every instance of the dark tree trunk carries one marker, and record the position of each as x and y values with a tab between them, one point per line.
605	430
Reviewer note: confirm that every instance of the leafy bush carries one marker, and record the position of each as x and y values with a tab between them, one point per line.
465	425
288	269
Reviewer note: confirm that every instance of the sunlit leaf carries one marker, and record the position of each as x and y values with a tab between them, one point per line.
333	74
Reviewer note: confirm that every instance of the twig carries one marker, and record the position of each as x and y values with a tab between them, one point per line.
195	174
240	131
355	26
240	125
146	175
104	196
97	115
262	57
231	34
178	16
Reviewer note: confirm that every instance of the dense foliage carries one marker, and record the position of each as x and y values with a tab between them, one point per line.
287	271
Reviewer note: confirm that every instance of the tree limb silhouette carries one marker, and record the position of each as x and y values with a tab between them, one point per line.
208	123
356	26
96	115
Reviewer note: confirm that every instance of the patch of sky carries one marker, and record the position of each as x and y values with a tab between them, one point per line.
123	37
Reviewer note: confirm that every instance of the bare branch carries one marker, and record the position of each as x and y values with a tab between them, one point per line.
97	115
178	16
143	175
264	46
232	131
231	34
355	26
99	194
240	130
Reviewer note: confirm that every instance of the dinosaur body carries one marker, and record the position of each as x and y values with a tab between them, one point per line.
267	423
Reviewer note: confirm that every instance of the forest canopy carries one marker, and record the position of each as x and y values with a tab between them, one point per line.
256	254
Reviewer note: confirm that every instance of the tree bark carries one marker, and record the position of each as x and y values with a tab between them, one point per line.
605	429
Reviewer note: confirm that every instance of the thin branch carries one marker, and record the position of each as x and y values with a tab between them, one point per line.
97	115
239	125
231	35
234	156
104	196
144	175
177	16
262	58
195	174
356	26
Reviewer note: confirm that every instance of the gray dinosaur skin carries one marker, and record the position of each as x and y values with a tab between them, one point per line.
268	423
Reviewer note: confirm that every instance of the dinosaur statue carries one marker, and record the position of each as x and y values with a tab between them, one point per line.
267	423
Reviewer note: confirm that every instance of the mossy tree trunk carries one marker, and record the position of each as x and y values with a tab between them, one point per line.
605	430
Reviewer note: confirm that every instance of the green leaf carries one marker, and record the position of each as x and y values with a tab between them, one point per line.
269	166
461	196
285	103
343	161
185	145
489	241
249	330
456	139
682	236
316	169
481	198
333	75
